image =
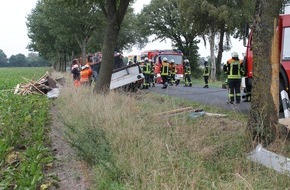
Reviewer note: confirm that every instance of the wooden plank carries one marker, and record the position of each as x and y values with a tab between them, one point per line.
180	110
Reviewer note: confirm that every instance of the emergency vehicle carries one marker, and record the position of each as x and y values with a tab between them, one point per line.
157	55
283	30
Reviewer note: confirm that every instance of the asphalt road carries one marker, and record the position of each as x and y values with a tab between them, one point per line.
210	96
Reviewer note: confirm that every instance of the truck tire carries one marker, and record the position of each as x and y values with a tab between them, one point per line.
281	87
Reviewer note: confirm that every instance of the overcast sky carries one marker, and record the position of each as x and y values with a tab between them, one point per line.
14	39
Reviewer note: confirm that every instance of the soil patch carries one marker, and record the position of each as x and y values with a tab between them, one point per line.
72	173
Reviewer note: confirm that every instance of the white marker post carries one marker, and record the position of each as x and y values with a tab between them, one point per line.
285	103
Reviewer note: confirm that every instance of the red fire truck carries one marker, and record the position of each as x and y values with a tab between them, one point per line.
284	49
157	55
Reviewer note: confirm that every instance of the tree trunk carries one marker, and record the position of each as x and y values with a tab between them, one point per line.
220	51
213	61
83	47
263	114
110	41
115	13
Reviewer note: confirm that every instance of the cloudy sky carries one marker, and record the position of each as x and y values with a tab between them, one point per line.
13	30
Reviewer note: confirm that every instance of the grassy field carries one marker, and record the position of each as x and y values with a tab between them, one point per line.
23	121
131	146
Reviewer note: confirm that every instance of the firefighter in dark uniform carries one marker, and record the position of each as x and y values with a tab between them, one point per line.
146	73
172	72
234	70
206	73
187	73
152	74
164	72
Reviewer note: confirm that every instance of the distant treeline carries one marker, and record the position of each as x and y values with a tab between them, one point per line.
20	60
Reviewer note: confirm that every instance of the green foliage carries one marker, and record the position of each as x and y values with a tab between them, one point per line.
166	19
22	134
17	60
3	58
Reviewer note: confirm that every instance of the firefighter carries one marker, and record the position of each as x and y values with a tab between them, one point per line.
172	72
75	71
164	72
86	74
95	64
187	73
206	73
152	75
146	73
234	70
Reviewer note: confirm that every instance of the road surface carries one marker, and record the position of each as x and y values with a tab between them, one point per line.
210	96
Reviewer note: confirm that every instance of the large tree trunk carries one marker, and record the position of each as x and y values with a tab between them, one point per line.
263	114
110	41
115	12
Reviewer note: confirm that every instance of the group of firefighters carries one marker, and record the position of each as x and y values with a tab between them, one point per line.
168	73
82	75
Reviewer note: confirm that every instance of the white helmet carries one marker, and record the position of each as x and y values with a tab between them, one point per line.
205	59
172	61
164	59
234	54
146	59
186	61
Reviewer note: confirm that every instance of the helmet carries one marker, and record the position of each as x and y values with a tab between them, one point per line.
146	59
235	54
186	61
205	59
172	61
164	59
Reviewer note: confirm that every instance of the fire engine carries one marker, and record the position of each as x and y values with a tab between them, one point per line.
283	30
157	55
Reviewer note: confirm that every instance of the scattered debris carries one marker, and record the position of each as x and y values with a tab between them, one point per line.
270	160
198	113
215	114
43	85
193	113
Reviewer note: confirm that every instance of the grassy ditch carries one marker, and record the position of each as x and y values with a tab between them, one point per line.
23	121
130	146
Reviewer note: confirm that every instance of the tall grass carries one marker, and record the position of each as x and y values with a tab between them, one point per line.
132	147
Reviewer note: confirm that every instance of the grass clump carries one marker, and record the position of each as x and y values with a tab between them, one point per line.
130	146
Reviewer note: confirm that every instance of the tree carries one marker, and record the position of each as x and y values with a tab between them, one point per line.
263	114
167	20
18	60
3	59
34	60
217	20
114	12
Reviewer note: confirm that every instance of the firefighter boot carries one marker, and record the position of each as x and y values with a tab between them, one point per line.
176	82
